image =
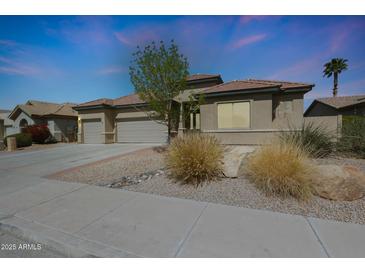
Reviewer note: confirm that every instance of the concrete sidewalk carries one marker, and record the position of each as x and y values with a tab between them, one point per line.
80	220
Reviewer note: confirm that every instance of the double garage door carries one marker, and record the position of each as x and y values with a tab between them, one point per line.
128	131
141	131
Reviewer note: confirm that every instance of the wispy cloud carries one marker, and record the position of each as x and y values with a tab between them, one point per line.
7	43
245	19
242	42
112	70
137	37
83	30
13	67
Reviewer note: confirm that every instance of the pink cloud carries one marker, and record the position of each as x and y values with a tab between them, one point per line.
313	63
112	70
138	36
245	19
123	39
248	40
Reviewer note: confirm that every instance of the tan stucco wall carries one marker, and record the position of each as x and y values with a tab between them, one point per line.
244	137
331	124
320	109
265	124
284	119
260	104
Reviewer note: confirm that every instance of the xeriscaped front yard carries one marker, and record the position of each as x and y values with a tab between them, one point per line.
143	171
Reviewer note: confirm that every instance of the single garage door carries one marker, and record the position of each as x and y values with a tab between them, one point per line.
92	131
141	131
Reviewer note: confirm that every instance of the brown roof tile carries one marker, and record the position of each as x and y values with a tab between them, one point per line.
38	108
284	84
252	84
101	101
199	76
131	99
342	101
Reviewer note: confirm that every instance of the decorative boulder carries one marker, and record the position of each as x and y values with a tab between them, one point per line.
233	161
340	183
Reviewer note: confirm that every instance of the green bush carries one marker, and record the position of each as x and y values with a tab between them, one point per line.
315	140
22	139
352	140
194	158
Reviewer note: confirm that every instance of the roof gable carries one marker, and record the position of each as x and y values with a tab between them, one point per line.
41	109
337	102
342	101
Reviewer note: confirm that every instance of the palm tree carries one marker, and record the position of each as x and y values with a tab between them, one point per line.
334	67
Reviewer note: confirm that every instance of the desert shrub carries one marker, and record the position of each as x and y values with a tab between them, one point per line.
194	158
352	140
39	133
315	140
22	139
281	168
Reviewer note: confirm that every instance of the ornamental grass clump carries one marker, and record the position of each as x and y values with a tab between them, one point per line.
314	139
282	168
194	158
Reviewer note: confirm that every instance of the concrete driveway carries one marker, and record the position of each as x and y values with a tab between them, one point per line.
48	161
81	220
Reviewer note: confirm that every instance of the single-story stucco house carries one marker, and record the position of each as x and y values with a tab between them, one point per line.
8	128
329	111
236	112
61	119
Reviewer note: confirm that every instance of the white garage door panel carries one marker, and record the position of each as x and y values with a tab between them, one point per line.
145	131
92	131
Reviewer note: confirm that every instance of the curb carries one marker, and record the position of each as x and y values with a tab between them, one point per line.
58	241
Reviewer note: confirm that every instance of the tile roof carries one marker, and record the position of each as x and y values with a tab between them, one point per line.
342	101
253	84
131	99
284	84
198	76
38	108
101	101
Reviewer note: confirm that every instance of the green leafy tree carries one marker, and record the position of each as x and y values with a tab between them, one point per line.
158	74
335	67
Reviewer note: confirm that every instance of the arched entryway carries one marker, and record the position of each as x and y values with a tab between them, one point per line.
23	124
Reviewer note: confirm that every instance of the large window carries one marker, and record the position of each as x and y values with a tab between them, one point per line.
234	115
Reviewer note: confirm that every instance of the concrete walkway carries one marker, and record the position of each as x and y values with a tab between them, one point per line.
81	220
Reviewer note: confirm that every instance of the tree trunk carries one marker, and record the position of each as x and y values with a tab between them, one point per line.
335	84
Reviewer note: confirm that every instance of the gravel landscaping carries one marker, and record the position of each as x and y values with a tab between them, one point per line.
142	171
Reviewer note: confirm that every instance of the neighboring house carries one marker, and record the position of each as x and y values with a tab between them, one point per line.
60	118
237	112
328	112
8	128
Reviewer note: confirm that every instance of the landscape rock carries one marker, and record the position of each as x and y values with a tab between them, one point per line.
234	158
340	183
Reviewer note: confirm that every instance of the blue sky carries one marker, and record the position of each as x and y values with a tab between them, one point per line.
82	58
